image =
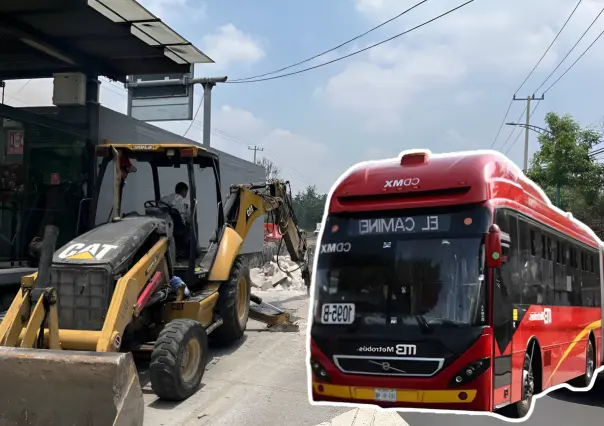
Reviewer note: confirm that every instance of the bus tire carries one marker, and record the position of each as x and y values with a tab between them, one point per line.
521	408
584	380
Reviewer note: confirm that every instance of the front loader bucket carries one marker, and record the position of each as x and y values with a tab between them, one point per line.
41	387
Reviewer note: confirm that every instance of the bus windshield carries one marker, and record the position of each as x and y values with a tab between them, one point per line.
421	269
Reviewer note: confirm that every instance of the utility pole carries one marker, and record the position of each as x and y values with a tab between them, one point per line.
528	100
255	149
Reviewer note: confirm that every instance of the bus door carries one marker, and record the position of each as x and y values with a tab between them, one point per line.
503	328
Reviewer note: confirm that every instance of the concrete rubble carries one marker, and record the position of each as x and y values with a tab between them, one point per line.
284	275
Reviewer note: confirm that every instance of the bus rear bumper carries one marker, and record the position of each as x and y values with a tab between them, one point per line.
458	399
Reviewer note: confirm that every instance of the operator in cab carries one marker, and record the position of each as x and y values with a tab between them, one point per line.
178	201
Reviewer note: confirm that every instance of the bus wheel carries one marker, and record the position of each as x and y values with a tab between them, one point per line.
584	380
521	408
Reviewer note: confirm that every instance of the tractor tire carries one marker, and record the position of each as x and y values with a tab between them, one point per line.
178	360
233	304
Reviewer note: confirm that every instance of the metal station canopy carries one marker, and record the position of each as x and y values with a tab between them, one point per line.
112	38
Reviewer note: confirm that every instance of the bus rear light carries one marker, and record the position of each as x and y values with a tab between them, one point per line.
470	372
319	370
463	396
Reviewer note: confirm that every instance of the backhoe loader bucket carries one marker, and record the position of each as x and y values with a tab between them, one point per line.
68	388
276	319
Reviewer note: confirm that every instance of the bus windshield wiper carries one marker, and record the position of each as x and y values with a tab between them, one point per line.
421	320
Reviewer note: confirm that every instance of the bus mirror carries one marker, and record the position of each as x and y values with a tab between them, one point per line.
493	247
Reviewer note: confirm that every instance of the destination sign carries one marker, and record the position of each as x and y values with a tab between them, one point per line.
400	225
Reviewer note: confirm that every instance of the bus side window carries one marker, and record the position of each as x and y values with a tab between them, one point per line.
501	220
513	267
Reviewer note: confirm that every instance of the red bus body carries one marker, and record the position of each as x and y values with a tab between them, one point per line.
561	332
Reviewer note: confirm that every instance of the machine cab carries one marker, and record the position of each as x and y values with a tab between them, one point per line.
157	160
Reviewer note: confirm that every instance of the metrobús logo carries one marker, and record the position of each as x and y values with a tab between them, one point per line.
400	349
545	316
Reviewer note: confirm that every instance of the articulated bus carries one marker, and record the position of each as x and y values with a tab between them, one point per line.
451	282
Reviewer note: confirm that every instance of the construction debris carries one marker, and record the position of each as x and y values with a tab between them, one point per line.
284	275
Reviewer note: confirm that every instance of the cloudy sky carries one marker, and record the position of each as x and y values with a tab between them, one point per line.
444	87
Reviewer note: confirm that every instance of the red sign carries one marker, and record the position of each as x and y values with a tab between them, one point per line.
15	142
55	179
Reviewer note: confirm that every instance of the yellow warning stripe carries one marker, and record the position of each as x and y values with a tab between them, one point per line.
402	395
593	326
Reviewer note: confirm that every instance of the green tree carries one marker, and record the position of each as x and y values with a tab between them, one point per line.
309	206
563	162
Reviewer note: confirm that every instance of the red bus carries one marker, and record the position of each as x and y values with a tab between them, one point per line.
451	282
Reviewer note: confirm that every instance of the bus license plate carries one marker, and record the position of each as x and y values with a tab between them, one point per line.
386	395
338	313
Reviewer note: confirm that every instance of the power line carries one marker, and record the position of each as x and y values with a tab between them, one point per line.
194	117
356	52
333	48
532	71
520	133
570	51
573	64
513	128
550	46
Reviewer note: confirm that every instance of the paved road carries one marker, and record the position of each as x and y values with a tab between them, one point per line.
263	383
260	383
559	408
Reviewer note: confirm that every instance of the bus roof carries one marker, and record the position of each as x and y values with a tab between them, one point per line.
419	178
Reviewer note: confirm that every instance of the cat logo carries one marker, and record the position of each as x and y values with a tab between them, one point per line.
79	251
249	212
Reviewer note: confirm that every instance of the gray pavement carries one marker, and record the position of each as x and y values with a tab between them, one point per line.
558	408
262	382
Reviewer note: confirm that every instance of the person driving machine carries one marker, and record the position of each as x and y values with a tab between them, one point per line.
178	201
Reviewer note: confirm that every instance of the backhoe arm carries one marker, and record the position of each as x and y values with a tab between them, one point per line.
248	202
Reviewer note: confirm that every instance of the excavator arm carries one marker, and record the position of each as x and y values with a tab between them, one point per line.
248	202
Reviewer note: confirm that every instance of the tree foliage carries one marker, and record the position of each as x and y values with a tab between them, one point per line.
309	206
563	160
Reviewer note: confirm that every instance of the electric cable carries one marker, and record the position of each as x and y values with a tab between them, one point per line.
333	48
355	52
570	51
532	71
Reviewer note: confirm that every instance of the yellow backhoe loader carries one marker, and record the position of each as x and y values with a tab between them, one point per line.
137	284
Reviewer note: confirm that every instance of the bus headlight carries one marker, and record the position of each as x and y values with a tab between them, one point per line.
470	372
319	370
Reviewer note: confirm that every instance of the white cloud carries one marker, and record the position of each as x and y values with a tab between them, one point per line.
228	44
302	161
499	41
176	10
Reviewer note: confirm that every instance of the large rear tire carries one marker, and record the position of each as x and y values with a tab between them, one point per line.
179	359
233	304
584	380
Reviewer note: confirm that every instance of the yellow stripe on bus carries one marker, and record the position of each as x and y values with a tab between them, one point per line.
402	395
593	326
